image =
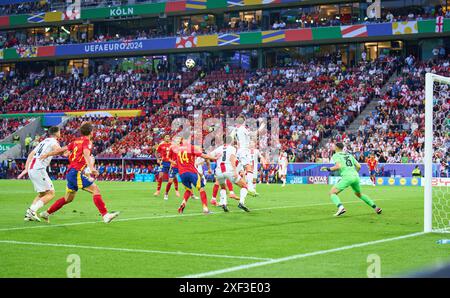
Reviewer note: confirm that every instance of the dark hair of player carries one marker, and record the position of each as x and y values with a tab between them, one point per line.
340	145
53	130
86	128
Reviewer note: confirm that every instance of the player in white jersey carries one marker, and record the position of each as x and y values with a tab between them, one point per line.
256	155
243	136
226	168
36	169
282	167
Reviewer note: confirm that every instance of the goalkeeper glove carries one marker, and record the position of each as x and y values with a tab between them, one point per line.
325	169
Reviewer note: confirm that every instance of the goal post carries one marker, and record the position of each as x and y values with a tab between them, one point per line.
437	138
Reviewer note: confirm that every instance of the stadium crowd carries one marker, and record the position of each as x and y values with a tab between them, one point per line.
107	131
313	101
395	131
9	126
101	90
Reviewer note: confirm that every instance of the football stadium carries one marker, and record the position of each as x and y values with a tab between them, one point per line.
224	139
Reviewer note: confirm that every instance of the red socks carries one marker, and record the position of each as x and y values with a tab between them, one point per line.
159	183
215	190
57	205
175	183
169	184
229	185
187	195
203	198
98	201
62	201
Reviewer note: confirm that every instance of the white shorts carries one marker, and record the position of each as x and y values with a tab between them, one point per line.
40	179
282	171
221	177
243	154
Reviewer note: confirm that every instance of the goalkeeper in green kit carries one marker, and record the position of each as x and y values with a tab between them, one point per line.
348	169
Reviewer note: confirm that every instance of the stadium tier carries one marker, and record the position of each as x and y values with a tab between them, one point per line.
395	131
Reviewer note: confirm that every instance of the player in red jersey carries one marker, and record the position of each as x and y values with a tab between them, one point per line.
372	163
173	171
81	164
163	155
186	154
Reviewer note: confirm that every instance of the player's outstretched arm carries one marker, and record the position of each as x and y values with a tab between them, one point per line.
27	164
56	151
208	164
336	167
207	157
358	166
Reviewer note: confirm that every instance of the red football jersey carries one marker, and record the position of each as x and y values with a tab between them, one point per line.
186	155
173	155
372	163
164	151
76	158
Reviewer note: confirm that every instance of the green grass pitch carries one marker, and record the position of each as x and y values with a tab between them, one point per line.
150	239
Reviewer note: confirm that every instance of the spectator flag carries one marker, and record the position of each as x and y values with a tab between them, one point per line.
408	27
354	31
439	24
37	18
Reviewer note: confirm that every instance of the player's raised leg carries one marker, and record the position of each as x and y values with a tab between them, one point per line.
356	186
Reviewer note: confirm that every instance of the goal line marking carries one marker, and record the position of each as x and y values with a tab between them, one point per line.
131	250
298	256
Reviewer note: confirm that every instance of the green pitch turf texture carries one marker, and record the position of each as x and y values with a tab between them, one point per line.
150	239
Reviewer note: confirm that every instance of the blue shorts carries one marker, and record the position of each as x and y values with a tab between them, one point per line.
373	173
76	180
165	166
173	172
192	180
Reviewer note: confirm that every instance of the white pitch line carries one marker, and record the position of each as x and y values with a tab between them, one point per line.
131	250
162	217
298	256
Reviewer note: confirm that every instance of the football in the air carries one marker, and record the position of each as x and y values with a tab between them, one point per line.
190	63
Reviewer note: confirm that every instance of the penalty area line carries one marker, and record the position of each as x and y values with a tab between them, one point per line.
298	256
131	250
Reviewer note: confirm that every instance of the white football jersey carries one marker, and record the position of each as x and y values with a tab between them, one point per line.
223	155
283	161
256	154
243	137
42	148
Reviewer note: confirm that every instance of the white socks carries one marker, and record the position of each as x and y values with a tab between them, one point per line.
36	206
243	195
223	197
249	179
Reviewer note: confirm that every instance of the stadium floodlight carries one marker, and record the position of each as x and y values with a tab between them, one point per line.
437	150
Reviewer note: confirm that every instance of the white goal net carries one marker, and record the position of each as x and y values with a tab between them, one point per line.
437	154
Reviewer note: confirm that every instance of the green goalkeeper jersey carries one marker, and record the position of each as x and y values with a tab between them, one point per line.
347	162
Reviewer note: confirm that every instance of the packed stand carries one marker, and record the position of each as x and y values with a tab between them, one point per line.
311	99
102	90
107	131
9	126
395	132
